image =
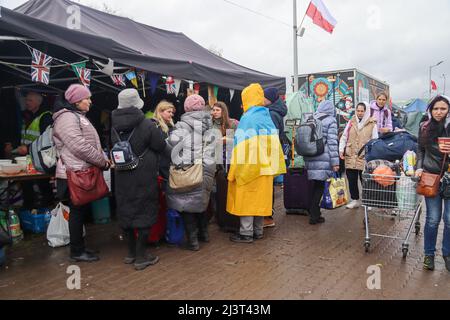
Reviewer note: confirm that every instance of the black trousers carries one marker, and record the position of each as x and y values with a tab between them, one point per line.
314	211
353	176
77	217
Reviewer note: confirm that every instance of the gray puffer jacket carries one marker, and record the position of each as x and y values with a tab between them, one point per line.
193	133
321	167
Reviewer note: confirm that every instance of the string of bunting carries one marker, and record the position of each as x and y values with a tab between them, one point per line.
41	65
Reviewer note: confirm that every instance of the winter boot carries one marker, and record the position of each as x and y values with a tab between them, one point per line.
203	234
142	259
191	228
131	257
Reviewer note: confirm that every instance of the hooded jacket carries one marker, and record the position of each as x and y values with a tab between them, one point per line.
193	134
278	110
257	158
76	140
321	167
355	136
137	190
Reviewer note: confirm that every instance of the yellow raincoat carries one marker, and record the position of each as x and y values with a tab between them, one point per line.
257	158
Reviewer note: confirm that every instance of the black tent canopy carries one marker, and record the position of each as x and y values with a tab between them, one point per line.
129	43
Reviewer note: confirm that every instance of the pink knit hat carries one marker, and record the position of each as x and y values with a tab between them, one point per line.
194	103
76	92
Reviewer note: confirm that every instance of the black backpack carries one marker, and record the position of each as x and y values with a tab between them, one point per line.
123	155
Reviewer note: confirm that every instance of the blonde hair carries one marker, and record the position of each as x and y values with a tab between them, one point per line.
161	107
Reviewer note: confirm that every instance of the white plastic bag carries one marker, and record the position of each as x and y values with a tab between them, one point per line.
58	234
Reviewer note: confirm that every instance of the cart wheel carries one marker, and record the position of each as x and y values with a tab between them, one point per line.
405	252
367	247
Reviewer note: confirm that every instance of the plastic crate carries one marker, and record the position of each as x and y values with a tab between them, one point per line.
36	220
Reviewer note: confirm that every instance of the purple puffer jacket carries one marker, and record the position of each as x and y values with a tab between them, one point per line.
77	143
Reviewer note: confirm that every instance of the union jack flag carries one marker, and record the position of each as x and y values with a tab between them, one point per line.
171	86
40	70
119	80
85	76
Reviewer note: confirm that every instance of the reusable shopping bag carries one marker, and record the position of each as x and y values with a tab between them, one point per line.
336	193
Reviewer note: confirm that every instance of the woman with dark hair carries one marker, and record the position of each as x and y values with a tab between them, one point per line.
381	112
430	159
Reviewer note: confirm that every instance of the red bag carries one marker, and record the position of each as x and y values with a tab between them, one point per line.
86	186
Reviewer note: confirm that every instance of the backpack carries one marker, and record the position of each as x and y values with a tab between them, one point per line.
123	155
309	140
43	152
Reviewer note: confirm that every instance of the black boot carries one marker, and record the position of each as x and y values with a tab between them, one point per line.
191	229
131	257
142	259
203	234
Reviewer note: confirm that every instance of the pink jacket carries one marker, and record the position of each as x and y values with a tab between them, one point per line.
77	143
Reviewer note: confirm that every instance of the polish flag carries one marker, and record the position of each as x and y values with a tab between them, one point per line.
320	15
433	85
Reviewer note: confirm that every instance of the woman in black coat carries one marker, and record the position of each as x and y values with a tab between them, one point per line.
137	189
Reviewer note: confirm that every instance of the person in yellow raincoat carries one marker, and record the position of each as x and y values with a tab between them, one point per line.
257	158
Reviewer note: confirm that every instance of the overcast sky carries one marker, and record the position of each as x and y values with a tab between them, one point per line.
393	40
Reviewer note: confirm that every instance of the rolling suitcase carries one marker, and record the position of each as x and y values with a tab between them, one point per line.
298	191
227	222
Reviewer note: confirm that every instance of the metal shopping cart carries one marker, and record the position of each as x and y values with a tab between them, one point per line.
394	197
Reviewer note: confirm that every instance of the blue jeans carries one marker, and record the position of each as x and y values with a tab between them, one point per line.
434	217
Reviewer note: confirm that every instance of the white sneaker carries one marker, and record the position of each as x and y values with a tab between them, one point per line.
354	204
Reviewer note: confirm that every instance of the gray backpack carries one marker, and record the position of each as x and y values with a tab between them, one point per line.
43	152
309	140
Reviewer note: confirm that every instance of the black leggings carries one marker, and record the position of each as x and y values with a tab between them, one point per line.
314	211
353	176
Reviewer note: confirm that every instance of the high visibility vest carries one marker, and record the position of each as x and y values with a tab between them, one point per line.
149	115
30	134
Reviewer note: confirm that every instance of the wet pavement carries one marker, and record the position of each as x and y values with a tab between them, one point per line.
294	261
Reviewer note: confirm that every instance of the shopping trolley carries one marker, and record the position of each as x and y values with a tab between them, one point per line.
391	196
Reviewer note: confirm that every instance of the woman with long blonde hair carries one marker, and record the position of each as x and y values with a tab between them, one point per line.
163	118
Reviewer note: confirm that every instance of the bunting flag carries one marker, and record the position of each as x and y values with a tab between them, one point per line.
197	88
177	86
142	75
231	94
211	97
78	65
216	91
154	78
85	76
434	86
170	85
119	80
131	75
40	70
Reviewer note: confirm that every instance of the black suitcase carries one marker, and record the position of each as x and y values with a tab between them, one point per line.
227	222
298	191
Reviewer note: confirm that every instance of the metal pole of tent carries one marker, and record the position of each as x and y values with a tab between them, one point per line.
295	48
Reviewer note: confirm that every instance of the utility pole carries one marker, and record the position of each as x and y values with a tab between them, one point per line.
443	76
296	86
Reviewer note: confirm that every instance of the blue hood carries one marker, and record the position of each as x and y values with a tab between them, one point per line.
327	107
279	107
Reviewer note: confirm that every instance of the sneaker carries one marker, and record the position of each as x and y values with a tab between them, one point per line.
447	263
428	263
241	239
84	257
129	260
269	222
354	204
318	221
141	264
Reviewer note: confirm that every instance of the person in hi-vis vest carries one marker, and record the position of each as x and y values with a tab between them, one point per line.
35	120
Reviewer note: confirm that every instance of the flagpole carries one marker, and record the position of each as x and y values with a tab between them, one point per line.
296	85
